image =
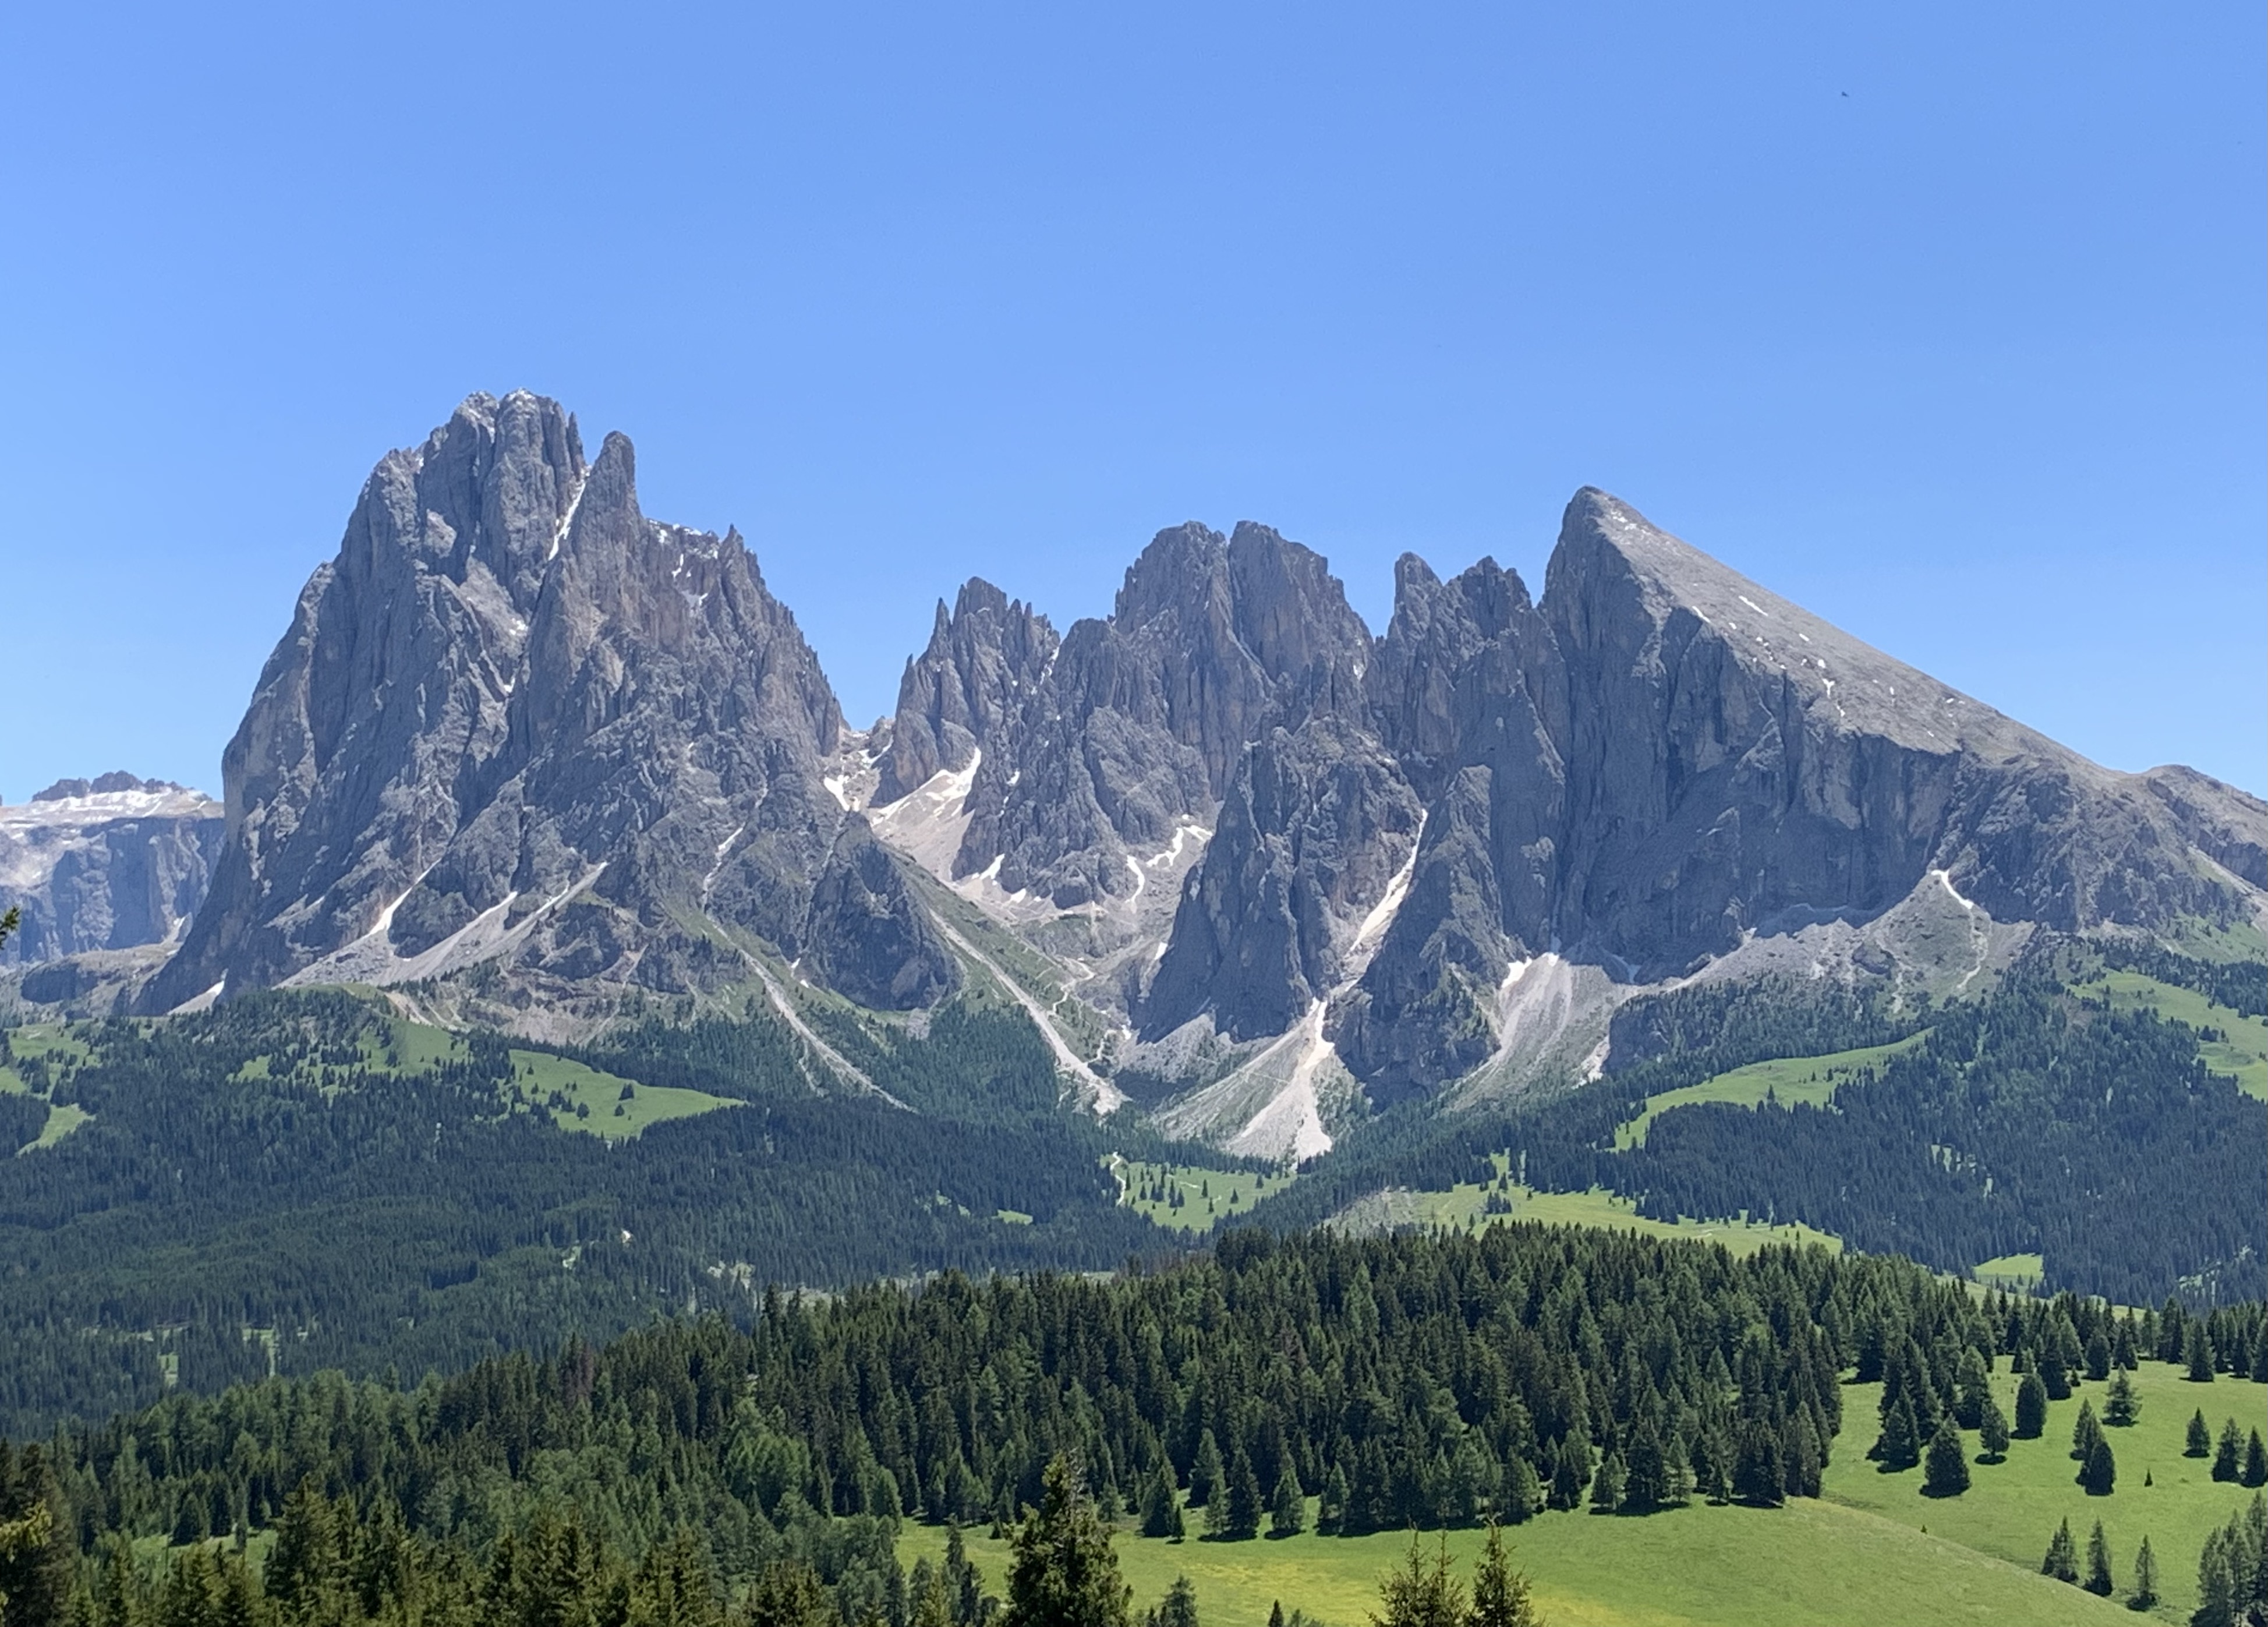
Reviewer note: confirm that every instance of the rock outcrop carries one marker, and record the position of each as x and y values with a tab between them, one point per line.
108	864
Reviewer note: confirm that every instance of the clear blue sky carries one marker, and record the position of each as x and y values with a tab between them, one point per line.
1944	321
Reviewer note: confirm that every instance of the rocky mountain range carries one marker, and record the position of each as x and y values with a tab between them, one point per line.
105	874
526	750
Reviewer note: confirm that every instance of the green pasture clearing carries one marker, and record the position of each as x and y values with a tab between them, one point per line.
62	1118
2018	1273
41	1039
2011	1509
2244	1052
1806	1565
603	1104
1465	1207
1786	1081
1207	1194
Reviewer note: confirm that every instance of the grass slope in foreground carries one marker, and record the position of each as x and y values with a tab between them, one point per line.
2011	1509
1806	1565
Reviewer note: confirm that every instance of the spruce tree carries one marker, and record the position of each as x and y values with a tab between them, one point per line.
1993	1433
1607	1485
1421	1593
1244	1505
2217	1591
2100	1473
1332	1509
1160	1514
1758	1474
2256	1461
1971	1389
1063	1573
1287	1509
2098	1356
2121	1407
1179	1607
2098	1563
1205	1473
2084	1432
2197	1352
2146	1578
2031	1408
2228	1456
2062	1561
1945	1471
1522	1493
2200	1442
1500	1594
1899	1446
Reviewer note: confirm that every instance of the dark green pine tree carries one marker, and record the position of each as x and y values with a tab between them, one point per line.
2256	1461
2031	1408
2084	1432
1205	1472
1758	1475
1993	1433
1571	1474
1500	1594
2100	1473
1899	1445
1521	1494
1287	1509
2122	1406
2197	1352
2146	1577
2098	1563
2200	1442
1945	1471
1063	1573
1245	1506
1421	1593
2228	1456
1971	1389
2098	1356
1179	1607
2062	1561
1607	1485
1161	1513
2219	1591
1331	1508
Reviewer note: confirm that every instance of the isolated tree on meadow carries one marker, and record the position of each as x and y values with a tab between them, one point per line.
1421	1593
2100	1473
2062	1561
2098	1563
1500	1594
2228	1456
1945	1472
2122	1406
2200	1442
2146	1577
2084	1432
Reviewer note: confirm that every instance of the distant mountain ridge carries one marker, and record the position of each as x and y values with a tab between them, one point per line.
1238	853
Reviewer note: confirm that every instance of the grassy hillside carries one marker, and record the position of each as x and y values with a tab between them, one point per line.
2011	1509
1806	1565
2242	1050
1785	1082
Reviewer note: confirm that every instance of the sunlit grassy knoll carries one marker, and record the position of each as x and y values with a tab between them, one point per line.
2012	1508
1467	1205
1807	1565
2243	1052
602	1104
1787	1081
1207	1195
2018	1273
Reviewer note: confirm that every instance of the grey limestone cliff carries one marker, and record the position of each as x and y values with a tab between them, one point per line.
515	719
109	864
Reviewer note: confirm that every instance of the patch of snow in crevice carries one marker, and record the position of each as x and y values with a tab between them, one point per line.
200	1002
837	787
1182	832
709	882
567	521
1140	879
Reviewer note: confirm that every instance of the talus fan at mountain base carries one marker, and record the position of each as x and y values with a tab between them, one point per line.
537	754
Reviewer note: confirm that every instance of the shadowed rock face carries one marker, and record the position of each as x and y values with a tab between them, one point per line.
1140	721
515	711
